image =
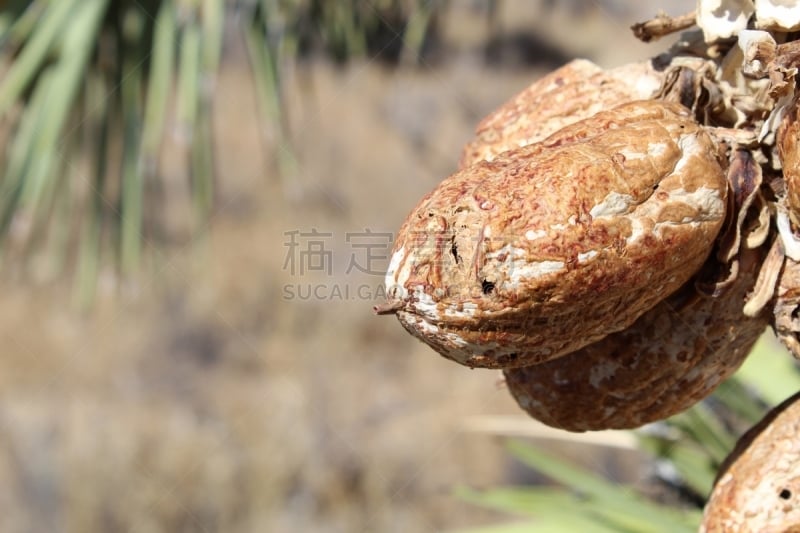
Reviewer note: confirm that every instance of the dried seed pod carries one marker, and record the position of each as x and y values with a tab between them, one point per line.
788	144
787	300
495	267
672	357
574	92
787	307
758	486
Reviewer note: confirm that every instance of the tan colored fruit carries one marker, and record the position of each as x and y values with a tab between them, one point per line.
672	357
574	92
676	353
555	245
758	487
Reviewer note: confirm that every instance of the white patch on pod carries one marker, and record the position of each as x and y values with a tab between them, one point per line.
517	267
392	280
425	305
690	146
631	156
704	199
449	342
521	271
614	204
600	373
427	328
507	251
790	243
532	235
656	149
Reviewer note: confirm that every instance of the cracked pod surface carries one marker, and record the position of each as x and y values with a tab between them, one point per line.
557	244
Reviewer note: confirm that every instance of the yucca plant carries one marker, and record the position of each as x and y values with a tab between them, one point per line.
90	90
687	451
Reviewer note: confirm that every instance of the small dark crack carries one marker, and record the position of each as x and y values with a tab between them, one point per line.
487	286
454	251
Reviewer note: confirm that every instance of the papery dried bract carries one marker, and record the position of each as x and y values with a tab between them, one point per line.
722	19
787	307
759	50
778	15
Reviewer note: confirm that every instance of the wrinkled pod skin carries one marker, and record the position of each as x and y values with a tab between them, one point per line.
571	93
672	357
555	245
758	486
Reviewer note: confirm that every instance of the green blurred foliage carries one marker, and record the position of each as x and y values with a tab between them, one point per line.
90	89
689	447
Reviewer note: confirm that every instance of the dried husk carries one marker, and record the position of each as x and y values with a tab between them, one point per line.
672	357
723	19
787	307
787	295
788	144
571	93
495	266
758	487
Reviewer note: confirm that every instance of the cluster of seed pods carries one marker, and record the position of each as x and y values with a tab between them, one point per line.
616	240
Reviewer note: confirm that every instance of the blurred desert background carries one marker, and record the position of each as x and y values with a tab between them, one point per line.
241	383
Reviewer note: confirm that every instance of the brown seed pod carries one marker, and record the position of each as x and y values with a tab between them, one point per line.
787	294
788	143
787	306
672	357
495	267
574	92
758	486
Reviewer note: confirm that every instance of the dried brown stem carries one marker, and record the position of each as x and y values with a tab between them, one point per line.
388	308
663	25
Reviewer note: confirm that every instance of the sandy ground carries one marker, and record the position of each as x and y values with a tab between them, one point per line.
246	385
